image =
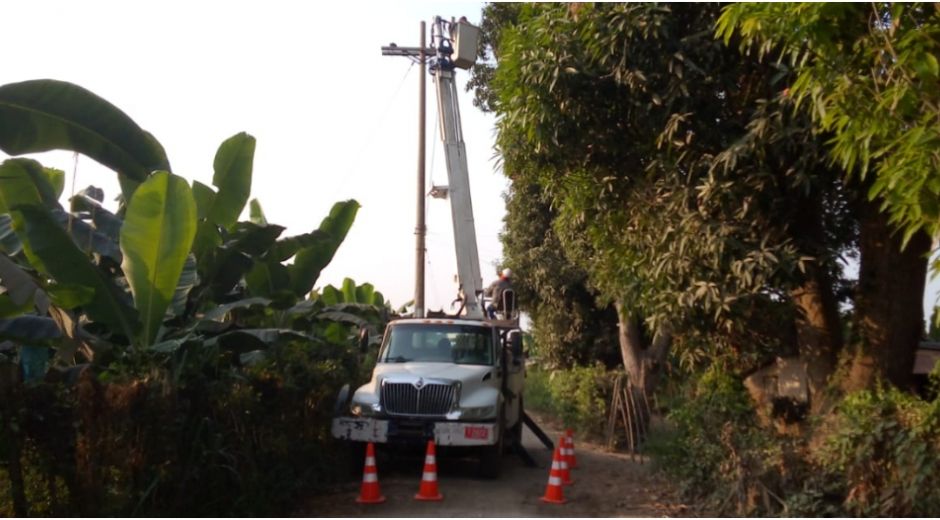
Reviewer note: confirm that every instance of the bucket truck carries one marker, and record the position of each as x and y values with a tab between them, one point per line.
455	379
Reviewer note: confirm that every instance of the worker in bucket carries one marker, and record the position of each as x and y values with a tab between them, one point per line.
495	293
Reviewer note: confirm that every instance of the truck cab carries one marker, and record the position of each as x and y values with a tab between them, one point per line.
458	382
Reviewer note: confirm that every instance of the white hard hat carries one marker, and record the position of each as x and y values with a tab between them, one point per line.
507	272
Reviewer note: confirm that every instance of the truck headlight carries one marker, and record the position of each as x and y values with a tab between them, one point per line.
365	410
478	412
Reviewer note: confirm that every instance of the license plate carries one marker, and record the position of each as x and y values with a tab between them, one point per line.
476	432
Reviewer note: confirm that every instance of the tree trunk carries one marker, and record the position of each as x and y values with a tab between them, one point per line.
643	363
818	326
889	302
819	330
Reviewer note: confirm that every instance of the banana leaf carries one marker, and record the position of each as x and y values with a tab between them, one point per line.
156	238
188	279
19	284
233	165
205	198
219	312
52	252
105	222
9	308
268	278
30	330
285	248
256	214
43	115
10	244
24	183
310	261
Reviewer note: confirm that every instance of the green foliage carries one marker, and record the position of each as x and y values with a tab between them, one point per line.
876	454
884	447
570	327
577	396
714	447
194	438
24	184
669	174
867	74
52	252
364	294
228	388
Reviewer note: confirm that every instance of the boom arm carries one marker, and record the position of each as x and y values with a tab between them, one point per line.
465	238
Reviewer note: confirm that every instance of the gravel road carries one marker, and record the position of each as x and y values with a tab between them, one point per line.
605	485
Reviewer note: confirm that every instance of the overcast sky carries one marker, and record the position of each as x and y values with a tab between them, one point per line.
333	118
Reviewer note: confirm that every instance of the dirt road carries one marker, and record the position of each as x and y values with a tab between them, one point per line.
605	484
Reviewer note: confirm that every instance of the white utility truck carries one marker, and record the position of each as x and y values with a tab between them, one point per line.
455	379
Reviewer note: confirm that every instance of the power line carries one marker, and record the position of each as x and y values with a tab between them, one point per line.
353	169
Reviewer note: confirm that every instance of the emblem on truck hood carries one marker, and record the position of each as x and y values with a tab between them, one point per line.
419	383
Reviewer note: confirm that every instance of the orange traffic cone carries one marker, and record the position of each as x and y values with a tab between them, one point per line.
369	493
572	460
563	460
428	490
553	491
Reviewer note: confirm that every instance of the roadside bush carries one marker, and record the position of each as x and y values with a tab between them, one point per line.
578	396
876	454
193	437
715	450
883	448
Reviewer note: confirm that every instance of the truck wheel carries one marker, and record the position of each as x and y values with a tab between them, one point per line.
355	458
491	458
515	433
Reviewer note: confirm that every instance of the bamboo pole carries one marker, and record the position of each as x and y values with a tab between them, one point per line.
624	412
612	415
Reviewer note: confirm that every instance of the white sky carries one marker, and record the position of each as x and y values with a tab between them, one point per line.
333	118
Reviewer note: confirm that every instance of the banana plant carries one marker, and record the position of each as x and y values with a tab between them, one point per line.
149	275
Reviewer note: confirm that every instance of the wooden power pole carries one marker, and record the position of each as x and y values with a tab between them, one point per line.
420	54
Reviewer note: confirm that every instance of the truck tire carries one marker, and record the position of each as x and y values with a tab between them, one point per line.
515	433
491	457
355	458
490	460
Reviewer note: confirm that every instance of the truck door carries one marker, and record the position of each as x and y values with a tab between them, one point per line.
515	373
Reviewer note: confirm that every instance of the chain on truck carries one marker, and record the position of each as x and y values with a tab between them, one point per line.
455	379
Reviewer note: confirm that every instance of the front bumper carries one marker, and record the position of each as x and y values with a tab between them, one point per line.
444	433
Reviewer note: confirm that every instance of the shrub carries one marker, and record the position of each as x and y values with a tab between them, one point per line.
192	437
876	454
579	396
884	450
713	447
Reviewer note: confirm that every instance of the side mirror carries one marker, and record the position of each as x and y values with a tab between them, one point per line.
515	346
363	340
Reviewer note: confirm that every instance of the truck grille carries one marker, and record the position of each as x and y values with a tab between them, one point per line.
405	399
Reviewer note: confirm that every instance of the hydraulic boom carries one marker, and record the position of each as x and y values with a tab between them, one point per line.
444	34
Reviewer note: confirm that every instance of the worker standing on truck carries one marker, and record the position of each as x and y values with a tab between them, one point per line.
495	292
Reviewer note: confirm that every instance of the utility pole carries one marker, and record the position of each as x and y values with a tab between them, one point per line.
421	228
419	55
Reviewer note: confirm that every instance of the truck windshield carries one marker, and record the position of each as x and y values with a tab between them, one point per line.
461	344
